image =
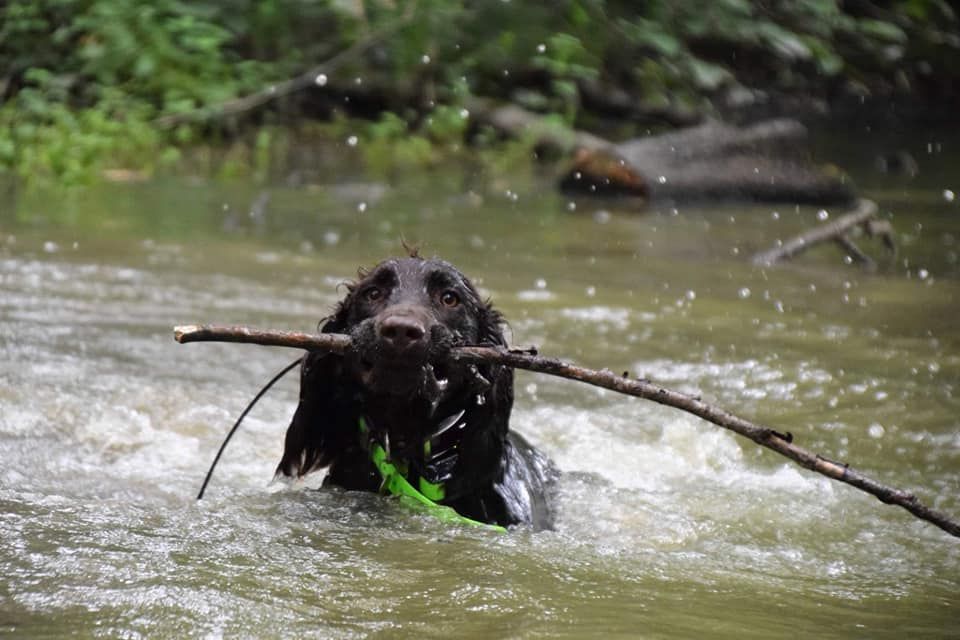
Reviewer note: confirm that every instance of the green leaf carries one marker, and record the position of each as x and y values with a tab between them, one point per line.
886	31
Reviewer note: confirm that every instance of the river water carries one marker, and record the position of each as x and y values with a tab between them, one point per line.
668	526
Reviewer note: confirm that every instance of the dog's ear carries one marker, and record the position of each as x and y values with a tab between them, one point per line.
321	426
491	324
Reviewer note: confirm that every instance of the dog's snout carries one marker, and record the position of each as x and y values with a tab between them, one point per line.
402	331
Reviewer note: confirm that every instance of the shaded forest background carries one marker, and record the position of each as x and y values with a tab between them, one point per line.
90	85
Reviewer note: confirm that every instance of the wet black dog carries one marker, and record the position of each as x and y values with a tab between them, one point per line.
441	422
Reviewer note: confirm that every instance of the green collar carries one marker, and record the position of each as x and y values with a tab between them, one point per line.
396	484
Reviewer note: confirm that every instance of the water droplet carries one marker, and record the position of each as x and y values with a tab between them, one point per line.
822	214
541	283
949	195
362	207
601	216
331	238
691	294
464	113
591	291
50	246
923	274
662	179
352	141
571	206
358	81
531	388
425	59
876	430
320	80
744	293
775	215
541	48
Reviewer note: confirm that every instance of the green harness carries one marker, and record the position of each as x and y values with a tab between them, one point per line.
395	483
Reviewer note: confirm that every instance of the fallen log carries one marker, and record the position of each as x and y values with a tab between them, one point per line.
711	161
864	216
781	443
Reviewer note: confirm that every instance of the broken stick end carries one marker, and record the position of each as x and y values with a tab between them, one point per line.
181	332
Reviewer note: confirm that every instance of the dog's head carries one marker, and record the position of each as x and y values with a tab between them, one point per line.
404	315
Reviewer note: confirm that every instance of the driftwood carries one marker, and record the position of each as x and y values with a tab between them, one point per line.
782	443
864	216
711	161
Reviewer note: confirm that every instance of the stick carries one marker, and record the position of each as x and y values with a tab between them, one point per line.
332	342
782	443
855	252
865	211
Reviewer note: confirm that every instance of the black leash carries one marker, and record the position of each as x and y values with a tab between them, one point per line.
243	415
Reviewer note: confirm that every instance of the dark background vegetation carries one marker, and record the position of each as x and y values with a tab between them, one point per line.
90	85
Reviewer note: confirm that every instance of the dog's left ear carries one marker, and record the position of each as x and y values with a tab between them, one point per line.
491	326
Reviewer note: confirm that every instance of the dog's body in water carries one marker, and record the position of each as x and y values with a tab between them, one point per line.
444	422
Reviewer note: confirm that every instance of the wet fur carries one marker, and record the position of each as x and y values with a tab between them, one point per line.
498	477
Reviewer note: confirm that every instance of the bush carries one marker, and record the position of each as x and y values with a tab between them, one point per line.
87	80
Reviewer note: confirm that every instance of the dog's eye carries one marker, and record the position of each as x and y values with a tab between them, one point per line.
373	294
449	298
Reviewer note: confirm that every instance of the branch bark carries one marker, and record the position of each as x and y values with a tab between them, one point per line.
782	443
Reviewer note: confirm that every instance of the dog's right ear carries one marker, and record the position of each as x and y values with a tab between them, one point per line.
322	424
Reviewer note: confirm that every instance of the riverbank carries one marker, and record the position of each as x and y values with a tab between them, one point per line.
139	86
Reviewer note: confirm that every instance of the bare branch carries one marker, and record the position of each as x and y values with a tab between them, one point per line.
332	342
855	252
782	443
864	213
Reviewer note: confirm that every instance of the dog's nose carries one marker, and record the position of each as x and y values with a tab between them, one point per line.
401	331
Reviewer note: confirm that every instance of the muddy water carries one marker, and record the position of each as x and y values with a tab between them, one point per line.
669	527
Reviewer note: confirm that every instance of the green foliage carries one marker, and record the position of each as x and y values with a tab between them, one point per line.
89	97
83	83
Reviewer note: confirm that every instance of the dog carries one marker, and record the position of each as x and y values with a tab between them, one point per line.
438	420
